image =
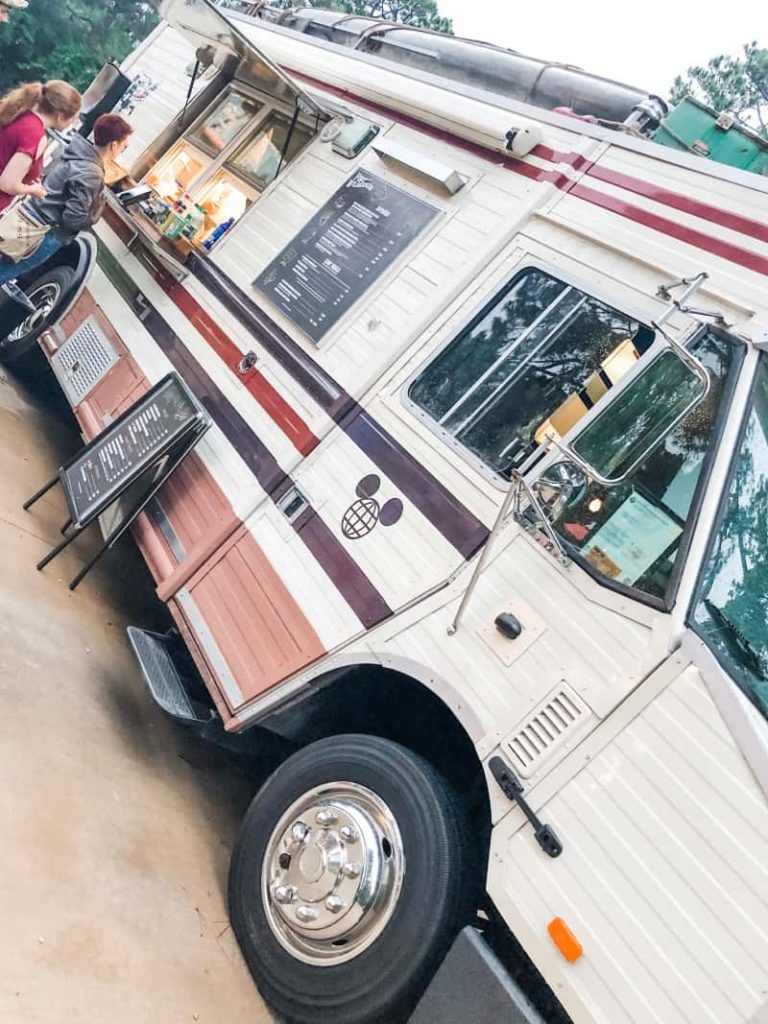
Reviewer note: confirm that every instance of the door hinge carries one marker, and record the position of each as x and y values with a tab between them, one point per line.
512	788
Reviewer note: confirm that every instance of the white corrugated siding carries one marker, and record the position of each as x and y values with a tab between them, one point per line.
664	876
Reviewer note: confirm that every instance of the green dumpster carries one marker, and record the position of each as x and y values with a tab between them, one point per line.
696	128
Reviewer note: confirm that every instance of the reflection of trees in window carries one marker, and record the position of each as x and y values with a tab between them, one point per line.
732	610
495	385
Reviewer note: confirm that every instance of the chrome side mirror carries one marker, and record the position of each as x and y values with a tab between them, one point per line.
559	487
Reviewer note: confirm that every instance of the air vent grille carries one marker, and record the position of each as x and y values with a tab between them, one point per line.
547	729
83	361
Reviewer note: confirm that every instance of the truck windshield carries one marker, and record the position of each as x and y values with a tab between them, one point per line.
731	608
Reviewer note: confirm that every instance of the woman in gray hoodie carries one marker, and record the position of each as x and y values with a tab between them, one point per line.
74	186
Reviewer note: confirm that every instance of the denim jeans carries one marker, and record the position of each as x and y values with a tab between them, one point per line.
9	270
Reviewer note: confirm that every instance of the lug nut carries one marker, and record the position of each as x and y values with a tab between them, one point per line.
284	861
334	904
349	834
325	818
285	894
352	870
299	831
306	914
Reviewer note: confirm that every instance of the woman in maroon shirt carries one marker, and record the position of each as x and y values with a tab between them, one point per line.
25	115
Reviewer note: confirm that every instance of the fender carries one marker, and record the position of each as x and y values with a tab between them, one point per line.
80	255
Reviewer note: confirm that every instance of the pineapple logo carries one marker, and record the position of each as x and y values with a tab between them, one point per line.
366	513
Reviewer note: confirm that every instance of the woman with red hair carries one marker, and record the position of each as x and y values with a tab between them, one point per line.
74	192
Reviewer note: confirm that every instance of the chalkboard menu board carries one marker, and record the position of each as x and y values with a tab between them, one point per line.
346	246
142	436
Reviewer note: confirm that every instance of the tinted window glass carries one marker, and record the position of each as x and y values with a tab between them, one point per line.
225	122
631	533
536	361
731	609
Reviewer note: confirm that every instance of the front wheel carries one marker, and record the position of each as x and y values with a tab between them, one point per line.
354	871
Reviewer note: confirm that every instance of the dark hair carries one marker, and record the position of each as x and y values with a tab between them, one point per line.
110	128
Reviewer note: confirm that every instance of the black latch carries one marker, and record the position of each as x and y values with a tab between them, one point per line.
508	625
248	362
512	788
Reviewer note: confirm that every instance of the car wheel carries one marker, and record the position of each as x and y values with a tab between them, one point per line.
354	872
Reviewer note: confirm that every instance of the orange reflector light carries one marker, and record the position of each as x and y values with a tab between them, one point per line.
565	940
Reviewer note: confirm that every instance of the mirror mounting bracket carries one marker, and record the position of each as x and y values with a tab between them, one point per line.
690	285
554	543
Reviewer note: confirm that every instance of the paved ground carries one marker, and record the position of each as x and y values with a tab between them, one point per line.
116	825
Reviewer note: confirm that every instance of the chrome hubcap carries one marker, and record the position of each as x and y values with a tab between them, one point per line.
45	300
333	872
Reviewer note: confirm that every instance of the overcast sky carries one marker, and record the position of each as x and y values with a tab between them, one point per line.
644	44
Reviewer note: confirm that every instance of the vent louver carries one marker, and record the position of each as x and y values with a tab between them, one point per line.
546	729
83	361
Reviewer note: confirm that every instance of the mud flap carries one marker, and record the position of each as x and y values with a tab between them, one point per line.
473	985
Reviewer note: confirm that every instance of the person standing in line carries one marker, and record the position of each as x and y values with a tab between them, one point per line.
5	9
26	114
72	199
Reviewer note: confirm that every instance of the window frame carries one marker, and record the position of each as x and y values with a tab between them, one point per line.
667	602
221	160
690	621
492	476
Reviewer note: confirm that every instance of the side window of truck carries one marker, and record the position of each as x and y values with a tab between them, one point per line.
532	365
731	607
633	533
536	359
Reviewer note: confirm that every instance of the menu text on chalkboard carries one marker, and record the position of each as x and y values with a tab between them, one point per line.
346	246
142	435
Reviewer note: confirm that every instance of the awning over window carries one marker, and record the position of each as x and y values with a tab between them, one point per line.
207	26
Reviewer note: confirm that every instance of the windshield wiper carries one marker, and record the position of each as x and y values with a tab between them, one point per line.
746	650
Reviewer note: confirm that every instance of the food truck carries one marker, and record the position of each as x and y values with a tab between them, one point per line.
478	529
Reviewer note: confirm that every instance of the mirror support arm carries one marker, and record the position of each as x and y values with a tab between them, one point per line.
508	499
517	485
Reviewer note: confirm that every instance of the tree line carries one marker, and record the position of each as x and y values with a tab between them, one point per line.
72	39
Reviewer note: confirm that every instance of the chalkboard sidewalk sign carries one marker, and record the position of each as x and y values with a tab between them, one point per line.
125	466
344	248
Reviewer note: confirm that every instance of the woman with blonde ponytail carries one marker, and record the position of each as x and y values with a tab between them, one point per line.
26	114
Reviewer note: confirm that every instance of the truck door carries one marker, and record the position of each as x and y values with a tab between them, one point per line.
665	824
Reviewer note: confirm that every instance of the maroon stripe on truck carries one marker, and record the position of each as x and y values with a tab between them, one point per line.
453	520
725	250
342	570
677	201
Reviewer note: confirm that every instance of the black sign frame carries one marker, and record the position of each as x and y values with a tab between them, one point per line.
143	477
82	516
364	227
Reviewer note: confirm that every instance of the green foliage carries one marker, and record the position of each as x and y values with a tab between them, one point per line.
418	13
70	39
738	85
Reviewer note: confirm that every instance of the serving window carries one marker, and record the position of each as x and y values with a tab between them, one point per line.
213	174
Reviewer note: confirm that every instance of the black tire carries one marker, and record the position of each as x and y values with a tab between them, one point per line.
440	888
48	292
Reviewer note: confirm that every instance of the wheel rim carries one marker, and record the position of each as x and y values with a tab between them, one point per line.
333	872
44	299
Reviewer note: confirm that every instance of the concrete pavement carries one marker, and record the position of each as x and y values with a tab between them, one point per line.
115	824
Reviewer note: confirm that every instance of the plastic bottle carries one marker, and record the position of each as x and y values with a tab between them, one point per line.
216	234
